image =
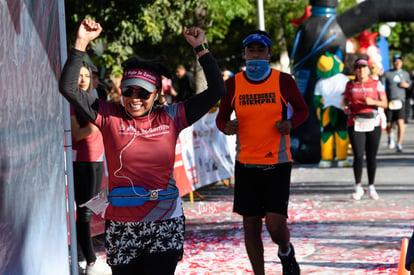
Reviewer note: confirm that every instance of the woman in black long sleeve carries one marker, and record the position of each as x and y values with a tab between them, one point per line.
144	217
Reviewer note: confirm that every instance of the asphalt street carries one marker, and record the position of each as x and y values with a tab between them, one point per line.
332	233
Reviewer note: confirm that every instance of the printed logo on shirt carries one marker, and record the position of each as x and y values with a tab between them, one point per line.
126	129
257	99
362	89
157	131
397	78
269	155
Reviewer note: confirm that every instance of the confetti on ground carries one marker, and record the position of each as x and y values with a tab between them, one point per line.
331	235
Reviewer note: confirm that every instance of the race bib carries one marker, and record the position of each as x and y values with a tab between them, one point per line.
395	104
364	124
99	203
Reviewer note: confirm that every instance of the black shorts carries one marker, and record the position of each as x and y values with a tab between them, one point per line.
259	190
394	115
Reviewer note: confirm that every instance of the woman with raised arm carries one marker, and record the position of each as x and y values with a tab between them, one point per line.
144	216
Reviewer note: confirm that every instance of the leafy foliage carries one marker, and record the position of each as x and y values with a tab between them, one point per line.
278	15
152	28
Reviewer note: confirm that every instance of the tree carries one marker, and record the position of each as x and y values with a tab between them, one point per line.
278	15
277	23
153	27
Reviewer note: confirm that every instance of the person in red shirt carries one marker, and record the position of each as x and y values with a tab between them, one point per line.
361	100
88	169
267	104
145	223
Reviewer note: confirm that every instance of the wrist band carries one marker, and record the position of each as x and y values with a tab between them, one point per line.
202	47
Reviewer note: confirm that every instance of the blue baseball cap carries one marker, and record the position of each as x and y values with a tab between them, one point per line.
258	38
397	56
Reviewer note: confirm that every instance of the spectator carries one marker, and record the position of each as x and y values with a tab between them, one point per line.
396	82
227	74
114	93
363	96
184	83
260	97
168	93
88	170
100	90
144	217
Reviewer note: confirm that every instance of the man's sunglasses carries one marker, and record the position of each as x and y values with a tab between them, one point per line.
142	93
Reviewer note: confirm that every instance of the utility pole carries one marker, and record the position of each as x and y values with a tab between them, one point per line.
260	15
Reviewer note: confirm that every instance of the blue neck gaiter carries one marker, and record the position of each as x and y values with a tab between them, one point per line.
257	70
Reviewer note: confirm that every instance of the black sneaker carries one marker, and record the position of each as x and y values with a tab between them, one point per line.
290	266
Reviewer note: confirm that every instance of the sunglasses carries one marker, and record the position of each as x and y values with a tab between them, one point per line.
142	93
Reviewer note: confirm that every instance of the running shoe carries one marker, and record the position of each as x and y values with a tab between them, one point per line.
98	268
82	267
373	193
359	192
289	264
325	164
391	143
344	163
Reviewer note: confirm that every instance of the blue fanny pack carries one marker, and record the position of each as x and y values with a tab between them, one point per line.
135	196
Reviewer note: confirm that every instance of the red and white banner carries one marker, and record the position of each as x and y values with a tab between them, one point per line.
207	155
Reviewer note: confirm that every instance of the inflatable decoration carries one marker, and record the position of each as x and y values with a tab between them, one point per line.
322	32
305	16
329	91
367	45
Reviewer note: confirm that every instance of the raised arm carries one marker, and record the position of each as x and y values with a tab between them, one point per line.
88	31
200	104
86	104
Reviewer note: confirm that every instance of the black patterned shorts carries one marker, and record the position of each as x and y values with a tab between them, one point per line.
128	240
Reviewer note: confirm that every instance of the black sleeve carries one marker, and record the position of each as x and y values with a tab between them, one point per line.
191	84
83	102
200	104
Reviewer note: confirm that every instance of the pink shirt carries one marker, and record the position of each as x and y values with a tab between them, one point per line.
89	149
141	152
355	93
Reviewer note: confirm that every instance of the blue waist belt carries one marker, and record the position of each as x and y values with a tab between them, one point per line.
135	196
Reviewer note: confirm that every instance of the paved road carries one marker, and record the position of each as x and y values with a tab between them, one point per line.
332	234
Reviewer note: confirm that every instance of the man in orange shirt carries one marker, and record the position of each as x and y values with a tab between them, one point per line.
263	100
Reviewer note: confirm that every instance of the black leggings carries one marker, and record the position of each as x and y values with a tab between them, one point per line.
365	142
150	264
87	178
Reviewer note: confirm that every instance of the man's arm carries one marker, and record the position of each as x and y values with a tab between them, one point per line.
291	94
223	122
